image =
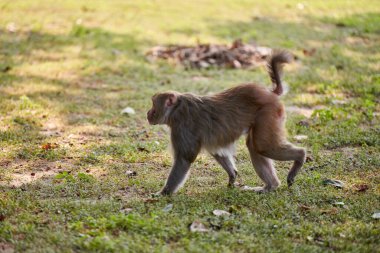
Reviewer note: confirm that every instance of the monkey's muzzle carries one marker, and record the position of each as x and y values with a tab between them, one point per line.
150	116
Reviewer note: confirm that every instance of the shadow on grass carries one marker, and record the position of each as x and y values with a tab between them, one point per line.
361	24
95	92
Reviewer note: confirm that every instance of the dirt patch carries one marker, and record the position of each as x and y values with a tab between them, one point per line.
305	111
25	172
52	127
6	248
357	40
92	85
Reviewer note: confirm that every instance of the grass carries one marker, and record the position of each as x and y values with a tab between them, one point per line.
67	70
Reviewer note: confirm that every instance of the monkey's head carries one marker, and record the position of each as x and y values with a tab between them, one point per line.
162	105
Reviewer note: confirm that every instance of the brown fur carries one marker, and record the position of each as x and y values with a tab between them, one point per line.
217	121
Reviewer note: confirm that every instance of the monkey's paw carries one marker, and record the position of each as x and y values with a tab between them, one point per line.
164	192
290	182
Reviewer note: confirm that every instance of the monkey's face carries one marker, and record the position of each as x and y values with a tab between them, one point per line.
162	105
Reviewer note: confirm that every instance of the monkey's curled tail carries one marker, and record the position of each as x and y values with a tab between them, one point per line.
274	65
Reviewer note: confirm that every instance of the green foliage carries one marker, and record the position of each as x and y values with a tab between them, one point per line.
366	23
65	176
26	103
80	177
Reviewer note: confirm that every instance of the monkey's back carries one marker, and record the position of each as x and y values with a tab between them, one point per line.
222	118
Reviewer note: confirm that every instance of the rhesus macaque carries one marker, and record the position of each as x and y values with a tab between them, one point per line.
215	122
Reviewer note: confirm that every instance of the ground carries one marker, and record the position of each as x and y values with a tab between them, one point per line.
76	175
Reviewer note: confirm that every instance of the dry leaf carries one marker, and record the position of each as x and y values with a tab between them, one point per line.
48	146
151	200
310	52
361	187
304	207
220	212
197	226
329	211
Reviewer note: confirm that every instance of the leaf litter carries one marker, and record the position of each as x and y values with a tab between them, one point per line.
237	55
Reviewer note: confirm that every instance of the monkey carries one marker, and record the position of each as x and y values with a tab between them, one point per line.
215	122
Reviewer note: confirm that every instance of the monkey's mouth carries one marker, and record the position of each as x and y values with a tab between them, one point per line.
150	117
151	122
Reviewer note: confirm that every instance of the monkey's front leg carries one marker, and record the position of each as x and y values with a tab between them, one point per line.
177	176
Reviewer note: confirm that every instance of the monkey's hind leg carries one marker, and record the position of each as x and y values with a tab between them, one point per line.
263	167
269	141
288	152
228	165
282	151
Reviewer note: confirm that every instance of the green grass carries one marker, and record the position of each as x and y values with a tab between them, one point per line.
67	69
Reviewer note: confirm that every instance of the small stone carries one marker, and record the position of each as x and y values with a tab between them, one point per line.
128	110
131	173
300	137
167	208
197	226
336	183
220	212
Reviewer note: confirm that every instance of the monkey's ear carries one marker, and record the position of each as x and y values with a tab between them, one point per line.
171	100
